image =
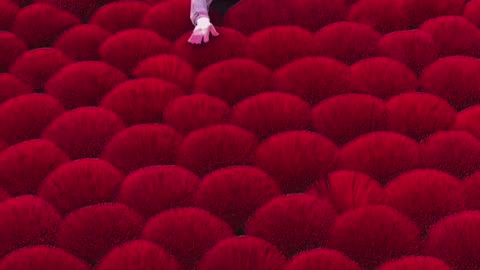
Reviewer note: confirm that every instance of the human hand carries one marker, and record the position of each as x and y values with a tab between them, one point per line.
202	31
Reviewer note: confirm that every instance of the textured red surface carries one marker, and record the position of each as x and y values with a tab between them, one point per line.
311	134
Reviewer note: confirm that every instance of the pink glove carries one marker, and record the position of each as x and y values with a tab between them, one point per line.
202	31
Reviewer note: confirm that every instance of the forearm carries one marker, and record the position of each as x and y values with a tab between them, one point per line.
199	8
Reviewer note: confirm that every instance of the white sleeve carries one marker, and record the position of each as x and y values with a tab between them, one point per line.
199	8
